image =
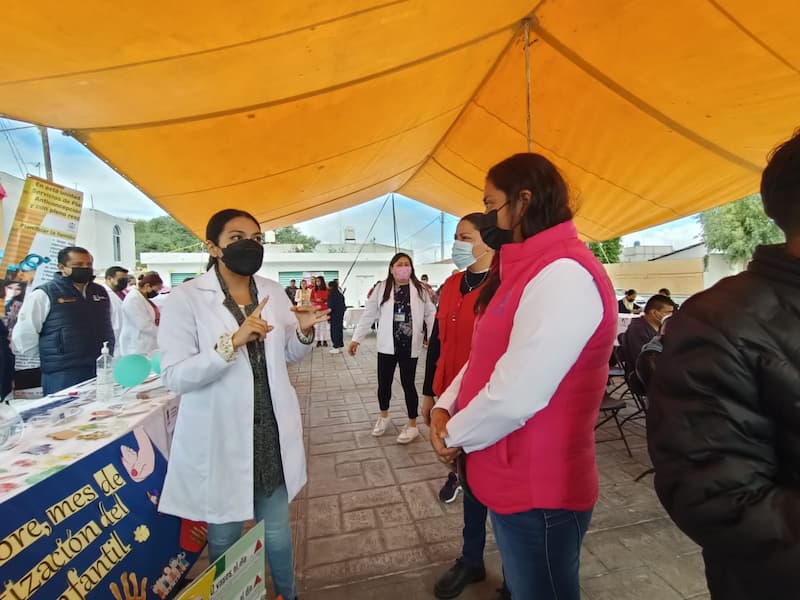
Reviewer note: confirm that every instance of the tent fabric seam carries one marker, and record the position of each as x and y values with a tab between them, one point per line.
297	97
223	48
641	104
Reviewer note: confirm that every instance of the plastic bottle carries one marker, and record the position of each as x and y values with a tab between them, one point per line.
105	376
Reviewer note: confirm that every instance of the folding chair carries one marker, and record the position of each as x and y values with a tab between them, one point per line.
610	408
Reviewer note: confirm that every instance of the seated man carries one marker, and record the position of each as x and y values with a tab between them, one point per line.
644	329
646	363
627	304
666	292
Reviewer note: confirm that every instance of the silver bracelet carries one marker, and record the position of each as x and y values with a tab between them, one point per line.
306	339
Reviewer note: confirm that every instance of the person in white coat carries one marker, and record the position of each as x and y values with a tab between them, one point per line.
401	304
237	451
140	317
115	284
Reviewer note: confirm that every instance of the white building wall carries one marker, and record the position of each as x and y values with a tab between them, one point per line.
718	267
698	251
642	253
96	234
368	269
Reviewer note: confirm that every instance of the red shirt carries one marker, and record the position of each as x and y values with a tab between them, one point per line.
456	318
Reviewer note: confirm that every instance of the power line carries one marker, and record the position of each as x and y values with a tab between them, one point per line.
435	219
366	239
14	150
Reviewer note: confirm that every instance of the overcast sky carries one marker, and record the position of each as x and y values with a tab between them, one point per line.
419	226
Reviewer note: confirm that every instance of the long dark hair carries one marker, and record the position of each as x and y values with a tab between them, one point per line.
320	287
476	219
548	207
217	223
389	287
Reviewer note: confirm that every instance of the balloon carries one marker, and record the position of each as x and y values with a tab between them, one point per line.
156	363
131	370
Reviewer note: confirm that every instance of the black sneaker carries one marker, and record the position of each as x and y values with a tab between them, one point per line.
450	489
455	579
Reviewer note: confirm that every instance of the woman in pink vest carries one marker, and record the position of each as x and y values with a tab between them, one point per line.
520	415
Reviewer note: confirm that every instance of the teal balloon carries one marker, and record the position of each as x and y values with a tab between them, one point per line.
156	363
131	370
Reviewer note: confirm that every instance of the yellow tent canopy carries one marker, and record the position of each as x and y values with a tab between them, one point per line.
652	109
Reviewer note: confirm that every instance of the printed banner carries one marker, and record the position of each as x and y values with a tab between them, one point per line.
236	575
92	530
45	222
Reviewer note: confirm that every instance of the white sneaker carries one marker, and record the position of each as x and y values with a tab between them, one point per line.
408	435
335	351
380	426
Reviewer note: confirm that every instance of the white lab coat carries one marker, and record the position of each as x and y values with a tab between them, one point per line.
116	314
139	330
422	311
210	470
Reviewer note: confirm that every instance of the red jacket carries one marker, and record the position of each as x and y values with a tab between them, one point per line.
319	298
456	318
550	461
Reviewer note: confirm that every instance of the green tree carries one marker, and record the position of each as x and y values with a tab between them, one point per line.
164	234
608	251
292	235
737	228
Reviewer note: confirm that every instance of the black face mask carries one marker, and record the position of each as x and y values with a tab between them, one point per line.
491	234
243	257
81	274
151	294
119	285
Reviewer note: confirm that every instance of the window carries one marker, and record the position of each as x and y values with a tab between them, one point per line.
179	278
117	241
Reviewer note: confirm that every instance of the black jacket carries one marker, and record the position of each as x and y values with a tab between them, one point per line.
337	305
723	428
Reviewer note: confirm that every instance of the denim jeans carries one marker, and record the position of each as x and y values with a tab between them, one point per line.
474	531
274	511
541	552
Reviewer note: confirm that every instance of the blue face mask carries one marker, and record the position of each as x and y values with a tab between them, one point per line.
462	255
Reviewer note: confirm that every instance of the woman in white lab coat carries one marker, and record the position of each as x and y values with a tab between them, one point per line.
140	317
401	304
237	451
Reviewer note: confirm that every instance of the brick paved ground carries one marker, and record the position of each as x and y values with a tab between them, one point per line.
369	524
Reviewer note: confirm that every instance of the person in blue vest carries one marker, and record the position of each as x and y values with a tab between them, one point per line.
67	319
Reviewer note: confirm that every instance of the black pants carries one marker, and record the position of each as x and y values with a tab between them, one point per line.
337	331
408	372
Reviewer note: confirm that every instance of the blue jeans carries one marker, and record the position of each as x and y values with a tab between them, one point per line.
61	380
274	511
541	552
474	531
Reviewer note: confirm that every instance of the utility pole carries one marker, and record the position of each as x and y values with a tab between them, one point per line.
48	165
441	219
394	223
